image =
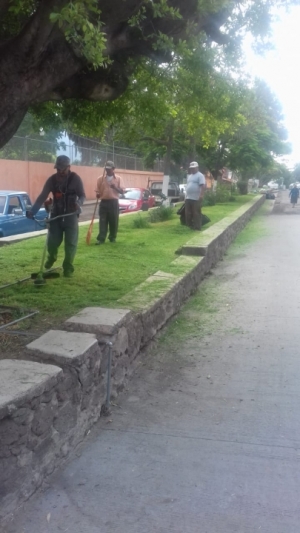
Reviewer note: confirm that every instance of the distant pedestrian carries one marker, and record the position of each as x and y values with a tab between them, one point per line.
294	195
195	189
109	187
68	194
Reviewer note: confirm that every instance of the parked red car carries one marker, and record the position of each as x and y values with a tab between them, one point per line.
135	200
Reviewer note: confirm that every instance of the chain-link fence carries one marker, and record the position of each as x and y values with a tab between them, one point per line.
34	149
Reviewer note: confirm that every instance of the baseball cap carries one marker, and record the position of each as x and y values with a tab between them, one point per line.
62	162
109	164
193	164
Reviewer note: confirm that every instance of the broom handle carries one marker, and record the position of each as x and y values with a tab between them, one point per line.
93	217
89	233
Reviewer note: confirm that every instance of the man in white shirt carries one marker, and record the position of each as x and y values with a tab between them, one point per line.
195	189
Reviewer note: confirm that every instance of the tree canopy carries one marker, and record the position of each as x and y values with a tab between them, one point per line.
57	50
250	148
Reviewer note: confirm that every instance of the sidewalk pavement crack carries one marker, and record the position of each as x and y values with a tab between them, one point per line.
208	439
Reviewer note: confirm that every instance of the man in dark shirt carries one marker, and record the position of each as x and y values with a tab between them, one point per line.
68	196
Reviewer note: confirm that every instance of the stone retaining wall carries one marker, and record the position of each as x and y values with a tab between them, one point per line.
49	400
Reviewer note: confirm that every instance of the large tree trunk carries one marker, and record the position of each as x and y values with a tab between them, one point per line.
56	74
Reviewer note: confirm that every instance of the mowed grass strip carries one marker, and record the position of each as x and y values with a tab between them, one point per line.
103	273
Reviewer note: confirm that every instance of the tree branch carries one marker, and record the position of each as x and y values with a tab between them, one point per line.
11	124
4	6
36	33
101	85
159	142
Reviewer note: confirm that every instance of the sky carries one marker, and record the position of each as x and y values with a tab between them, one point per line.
280	69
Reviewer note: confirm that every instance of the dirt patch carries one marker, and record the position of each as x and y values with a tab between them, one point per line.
14	338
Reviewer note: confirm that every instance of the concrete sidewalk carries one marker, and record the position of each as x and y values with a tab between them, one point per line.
207	437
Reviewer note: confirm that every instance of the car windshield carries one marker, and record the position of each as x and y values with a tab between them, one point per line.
2	204
132	194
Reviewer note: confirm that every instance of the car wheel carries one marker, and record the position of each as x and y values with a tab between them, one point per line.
145	207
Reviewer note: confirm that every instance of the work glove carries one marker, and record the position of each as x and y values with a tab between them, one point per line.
29	214
48	204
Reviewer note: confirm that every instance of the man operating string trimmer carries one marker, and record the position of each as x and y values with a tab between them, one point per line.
68	196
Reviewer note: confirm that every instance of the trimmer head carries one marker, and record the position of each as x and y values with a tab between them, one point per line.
39	281
45	275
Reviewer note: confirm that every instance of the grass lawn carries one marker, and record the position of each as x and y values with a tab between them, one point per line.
102	273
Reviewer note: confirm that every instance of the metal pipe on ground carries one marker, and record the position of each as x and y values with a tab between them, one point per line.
9	309
18	320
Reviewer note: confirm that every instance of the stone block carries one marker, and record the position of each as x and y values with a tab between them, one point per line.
135	334
68	388
6	467
43	419
98	320
21	381
64	348
79	355
67	419
120	345
10	432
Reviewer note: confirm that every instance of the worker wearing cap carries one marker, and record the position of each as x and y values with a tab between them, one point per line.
68	195
195	189
109	187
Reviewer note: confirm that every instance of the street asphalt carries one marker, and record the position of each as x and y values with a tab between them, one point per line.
206	437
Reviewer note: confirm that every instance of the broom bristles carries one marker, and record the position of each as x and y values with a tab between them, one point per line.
90	230
89	233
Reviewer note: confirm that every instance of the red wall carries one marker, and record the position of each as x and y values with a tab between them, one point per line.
30	176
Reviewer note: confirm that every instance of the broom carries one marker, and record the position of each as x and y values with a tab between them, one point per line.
89	233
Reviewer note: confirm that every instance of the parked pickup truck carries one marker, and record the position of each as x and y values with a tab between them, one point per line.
13	206
174	192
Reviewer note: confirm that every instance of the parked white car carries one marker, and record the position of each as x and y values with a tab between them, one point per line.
273	185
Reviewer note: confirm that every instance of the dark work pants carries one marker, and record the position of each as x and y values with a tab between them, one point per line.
193	214
108	219
68	228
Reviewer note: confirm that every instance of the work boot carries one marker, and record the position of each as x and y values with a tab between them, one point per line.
68	274
48	264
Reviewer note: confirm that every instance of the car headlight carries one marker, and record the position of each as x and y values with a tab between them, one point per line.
133	206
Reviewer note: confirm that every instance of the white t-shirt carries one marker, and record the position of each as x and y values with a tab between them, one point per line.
193	187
